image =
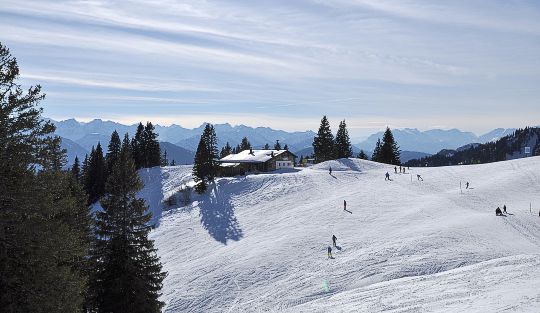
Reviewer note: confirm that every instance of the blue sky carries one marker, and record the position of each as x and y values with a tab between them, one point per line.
473	65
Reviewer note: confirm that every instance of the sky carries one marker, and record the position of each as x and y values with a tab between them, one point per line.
472	65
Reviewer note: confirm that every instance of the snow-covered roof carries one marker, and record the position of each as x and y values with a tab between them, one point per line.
253	156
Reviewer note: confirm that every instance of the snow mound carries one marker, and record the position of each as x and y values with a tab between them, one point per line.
350	164
258	243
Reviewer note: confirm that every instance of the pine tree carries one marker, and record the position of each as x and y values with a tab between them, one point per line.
245	144
113	151
173	163
128	276
376	156
266	146
225	151
286	147
389	151
43	216
362	155
137	147
277	146
323	143
164	159
97	175
152	153
76	170
342	145
205	165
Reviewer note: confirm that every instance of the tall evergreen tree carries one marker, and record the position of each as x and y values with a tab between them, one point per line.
113	151
152	153
376	156
137	147
343	148
277	145
97	174
323	143
76	170
205	165
389	149
286	147
164	159
43	216
245	144
266	146
128	274
225	151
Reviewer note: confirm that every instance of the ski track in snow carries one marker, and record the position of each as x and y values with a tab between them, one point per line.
258	243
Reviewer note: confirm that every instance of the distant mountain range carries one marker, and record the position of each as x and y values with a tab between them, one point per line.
519	144
181	142
433	141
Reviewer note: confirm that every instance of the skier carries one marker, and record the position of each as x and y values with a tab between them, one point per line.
330	252
400	169
387	176
467	185
334	238
344	205
418	177
498	212
395	169
330	170
504	209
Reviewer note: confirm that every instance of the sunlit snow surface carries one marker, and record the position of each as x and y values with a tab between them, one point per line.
258	243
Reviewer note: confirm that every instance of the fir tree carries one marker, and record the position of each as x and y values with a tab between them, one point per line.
277	146
342	145
43	216
245	144
266	146
76	170
376	156
286	147
225	151
152	153
362	155
137	147
128	276
323	143
389	151
164	159
113	151
96	175
205	165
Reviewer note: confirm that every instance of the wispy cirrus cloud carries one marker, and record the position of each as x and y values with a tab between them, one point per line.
401	60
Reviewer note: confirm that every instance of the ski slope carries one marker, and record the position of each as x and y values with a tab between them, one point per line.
258	243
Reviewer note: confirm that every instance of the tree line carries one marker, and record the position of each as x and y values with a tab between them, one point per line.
494	151
55	255
246	145
326	147
96	167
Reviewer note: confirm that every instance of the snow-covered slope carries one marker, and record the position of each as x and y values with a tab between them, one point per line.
258	243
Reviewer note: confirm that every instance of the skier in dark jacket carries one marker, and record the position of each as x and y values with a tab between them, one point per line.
334	238
387	176
504	209
330	252
467	185
330	170
498	212
395	169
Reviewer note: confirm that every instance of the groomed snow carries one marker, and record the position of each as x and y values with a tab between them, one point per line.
258	243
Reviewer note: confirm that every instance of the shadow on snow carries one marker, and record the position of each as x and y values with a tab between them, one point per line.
217	216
